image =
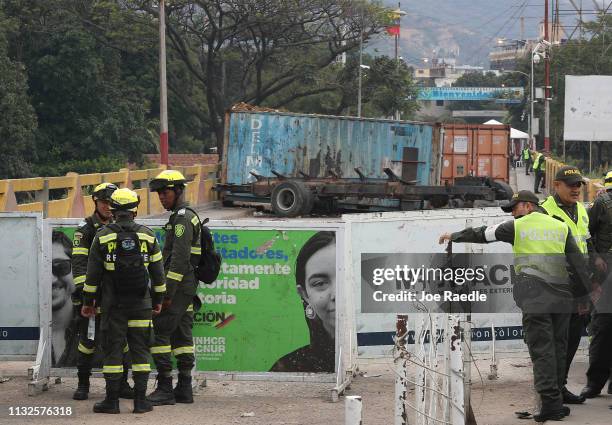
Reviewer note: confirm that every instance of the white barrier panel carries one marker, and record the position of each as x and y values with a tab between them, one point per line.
262	318
20	266
418	232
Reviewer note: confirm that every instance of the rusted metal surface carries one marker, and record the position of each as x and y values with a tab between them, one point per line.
475	150
320	146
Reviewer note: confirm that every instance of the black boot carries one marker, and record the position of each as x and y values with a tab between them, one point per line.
610	387
125	391
551	412
163	394
571	398
141	404
82	391
183	393
111	403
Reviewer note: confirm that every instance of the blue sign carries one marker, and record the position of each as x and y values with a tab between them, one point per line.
498	94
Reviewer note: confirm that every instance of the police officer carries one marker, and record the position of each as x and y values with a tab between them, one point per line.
564	205
81	242
539	166
124	256
542	246
600	347
174	325
527	159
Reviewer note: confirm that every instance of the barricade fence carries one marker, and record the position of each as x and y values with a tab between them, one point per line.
589	190
38	194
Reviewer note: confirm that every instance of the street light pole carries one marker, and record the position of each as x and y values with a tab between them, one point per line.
546	84
360	64
163	92
532	101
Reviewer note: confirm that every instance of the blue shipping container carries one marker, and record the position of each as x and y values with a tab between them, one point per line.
315	144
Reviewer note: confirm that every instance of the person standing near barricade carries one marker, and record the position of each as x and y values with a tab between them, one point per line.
527	159
543	247
600	347
564	205
539	166
173	327
81	242
124	256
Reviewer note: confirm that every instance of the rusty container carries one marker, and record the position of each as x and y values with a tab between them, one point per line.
475	150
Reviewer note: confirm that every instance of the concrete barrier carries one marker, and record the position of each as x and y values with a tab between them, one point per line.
74	203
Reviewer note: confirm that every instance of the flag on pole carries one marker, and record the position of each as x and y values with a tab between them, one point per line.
393	30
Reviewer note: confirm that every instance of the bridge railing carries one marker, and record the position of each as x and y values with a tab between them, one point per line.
589	191
69	195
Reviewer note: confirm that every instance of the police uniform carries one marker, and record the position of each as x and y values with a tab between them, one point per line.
124	315
87	355
527	160
173	327
539	167
543	247
600	347
576	217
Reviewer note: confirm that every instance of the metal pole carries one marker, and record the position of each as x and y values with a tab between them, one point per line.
399	8
532	100
546	83
163	93
360	63
401	392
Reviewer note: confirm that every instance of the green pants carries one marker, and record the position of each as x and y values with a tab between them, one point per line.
90	351
173	335
135	327
546	338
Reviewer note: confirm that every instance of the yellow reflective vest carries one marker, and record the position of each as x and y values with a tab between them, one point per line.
526	154
538	163
580	230
539	247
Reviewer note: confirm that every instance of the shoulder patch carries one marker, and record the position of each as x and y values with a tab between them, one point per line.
179	229
82	223
181	211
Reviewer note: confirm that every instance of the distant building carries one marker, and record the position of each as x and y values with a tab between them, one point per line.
442	72
507	53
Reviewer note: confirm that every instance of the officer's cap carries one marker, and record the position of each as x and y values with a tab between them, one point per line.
521	196
570	175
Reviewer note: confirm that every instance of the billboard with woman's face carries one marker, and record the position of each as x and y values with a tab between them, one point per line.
272	307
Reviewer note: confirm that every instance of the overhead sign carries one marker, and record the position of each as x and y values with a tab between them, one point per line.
497	94
588	108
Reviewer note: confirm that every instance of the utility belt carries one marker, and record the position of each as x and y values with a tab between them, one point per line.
530	287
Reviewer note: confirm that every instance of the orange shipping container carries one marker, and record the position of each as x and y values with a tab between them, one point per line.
475	150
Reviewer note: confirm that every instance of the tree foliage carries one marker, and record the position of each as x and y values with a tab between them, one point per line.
84	74
17	118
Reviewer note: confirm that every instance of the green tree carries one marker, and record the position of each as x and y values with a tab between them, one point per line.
17	118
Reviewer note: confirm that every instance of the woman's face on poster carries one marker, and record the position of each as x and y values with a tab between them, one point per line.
321	286
62	284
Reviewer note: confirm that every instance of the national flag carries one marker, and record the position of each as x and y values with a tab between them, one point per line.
393	30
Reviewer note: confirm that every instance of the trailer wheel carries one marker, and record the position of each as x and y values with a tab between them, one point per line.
291	198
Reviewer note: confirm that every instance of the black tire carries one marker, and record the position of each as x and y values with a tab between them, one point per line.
227	203
503	191
291	198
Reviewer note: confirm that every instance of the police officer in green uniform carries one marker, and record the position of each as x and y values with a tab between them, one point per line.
527	159
543	247
83	237
564	205
173	327
600	347
123	257
539	166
